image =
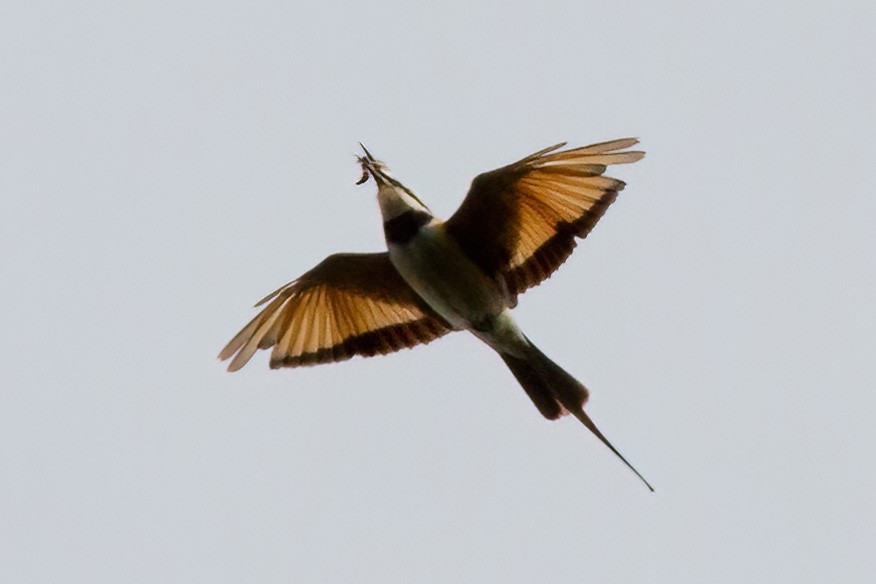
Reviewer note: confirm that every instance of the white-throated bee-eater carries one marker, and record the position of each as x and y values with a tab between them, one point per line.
516	226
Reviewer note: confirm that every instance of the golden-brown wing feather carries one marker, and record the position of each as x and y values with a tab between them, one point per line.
519	222
349	304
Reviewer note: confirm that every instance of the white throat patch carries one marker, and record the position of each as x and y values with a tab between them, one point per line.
394	201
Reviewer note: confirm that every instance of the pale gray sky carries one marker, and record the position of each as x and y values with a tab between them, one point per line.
165	165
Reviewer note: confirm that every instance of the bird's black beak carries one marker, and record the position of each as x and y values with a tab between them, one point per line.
367	154
371	167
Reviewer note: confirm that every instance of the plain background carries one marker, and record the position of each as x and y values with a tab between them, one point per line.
166	164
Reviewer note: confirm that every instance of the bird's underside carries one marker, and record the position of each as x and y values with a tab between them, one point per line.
515	227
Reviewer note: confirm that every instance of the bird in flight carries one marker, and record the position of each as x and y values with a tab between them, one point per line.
516	226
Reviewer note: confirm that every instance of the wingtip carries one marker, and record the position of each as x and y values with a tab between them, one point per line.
238	362
625	142
225	353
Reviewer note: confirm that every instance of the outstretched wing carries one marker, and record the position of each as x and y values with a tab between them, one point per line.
519	222
349	304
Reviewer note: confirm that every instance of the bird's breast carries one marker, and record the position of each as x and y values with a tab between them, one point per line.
434	265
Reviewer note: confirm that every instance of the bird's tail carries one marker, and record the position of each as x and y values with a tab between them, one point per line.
556	393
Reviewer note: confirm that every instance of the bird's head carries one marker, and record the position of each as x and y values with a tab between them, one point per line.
394	198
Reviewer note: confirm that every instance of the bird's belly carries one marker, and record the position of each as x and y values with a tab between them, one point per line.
450	283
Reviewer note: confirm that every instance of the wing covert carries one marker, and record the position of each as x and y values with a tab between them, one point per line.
349	304
519	222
